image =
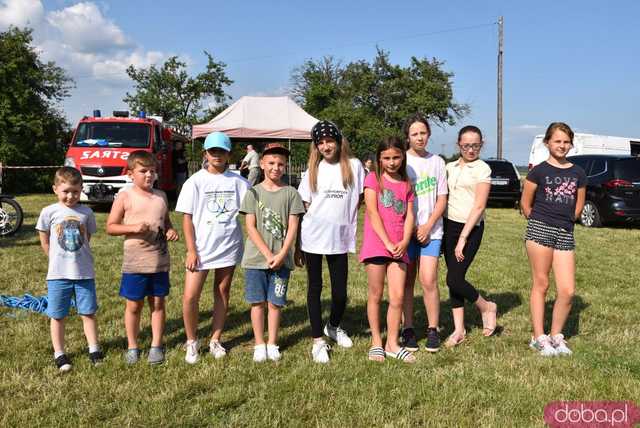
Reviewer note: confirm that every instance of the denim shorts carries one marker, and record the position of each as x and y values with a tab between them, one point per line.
549	236
61	291
262	285
416	249
137	286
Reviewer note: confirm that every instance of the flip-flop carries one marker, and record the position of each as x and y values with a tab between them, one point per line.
487	329
452	341
376	353
402	355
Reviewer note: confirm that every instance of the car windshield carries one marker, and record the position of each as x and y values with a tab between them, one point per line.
112	134
501	169
627	169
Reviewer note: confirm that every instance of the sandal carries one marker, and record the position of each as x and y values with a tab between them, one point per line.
453	341
402	355
376	353
489	328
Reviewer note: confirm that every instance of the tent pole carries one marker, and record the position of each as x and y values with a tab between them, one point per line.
289	162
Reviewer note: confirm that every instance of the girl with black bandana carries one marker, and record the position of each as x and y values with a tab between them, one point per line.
331	189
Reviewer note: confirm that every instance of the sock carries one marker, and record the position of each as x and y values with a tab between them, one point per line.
94	348
56	354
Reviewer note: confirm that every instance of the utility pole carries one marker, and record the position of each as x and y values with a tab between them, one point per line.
500	52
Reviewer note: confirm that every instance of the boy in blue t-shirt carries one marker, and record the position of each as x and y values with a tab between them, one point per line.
65	229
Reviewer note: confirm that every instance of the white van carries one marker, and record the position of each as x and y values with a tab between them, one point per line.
587	144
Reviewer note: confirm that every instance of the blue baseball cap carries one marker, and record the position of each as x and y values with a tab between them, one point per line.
217	140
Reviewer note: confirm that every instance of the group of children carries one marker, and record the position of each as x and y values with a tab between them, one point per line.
416	209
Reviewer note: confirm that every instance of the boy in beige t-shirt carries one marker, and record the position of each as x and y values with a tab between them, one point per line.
141	214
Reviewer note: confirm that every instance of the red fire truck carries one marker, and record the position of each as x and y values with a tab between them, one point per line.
101	145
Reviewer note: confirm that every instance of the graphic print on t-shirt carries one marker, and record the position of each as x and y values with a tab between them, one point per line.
561	190
425	184
388	200
70	233
161	241
272	222
221	203
335	194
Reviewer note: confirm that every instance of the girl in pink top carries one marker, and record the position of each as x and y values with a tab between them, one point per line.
388	225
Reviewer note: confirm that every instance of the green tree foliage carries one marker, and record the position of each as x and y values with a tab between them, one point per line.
31	125
170	92
370	101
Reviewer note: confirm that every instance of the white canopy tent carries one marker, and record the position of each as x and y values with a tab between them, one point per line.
261	118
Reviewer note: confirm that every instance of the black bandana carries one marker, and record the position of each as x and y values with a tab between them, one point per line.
323	129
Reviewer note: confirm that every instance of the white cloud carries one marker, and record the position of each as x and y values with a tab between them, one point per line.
82	39
83	28
20	13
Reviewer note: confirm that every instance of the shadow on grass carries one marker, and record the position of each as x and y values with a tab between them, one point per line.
572	326
295	319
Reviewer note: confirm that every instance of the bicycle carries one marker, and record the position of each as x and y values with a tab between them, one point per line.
11	215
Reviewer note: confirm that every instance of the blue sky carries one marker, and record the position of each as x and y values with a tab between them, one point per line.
573	61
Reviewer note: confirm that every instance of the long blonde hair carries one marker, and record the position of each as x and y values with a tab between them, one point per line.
344	157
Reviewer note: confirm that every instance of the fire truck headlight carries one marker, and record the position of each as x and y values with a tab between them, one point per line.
69	162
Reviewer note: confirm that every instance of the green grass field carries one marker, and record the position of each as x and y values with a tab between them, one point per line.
495	381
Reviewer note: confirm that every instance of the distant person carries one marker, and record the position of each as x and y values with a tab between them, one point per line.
428	177
272	210
469	181
65	229
251	165
388	226
368	165
180	165
331	189
141	214
210	200
552	200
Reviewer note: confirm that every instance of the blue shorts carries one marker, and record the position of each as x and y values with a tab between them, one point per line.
416	249
61	291
261	285
137	286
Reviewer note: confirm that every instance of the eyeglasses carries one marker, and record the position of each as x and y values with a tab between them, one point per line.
467	147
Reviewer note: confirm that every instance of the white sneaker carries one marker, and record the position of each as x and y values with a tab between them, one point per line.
320	351
273	352
192	351
560	344
217	350
260	353
543	345
338	335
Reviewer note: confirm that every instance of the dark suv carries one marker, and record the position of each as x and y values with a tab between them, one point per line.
505	182
613	188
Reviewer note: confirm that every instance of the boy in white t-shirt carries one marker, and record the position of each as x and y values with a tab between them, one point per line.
428	177
65	229
210	200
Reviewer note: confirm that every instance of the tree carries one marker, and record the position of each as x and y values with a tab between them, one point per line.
170	92
31	125
369	101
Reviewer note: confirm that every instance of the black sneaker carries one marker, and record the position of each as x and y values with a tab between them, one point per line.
433	340
408	338
96	357
63	363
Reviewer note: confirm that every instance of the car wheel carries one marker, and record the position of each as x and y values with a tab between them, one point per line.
590	217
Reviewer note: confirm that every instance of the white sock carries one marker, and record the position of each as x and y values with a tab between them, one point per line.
94	348
57	354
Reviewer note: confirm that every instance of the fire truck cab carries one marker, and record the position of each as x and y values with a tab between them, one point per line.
101	145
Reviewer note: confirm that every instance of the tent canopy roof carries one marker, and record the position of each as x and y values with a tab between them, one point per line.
260	117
